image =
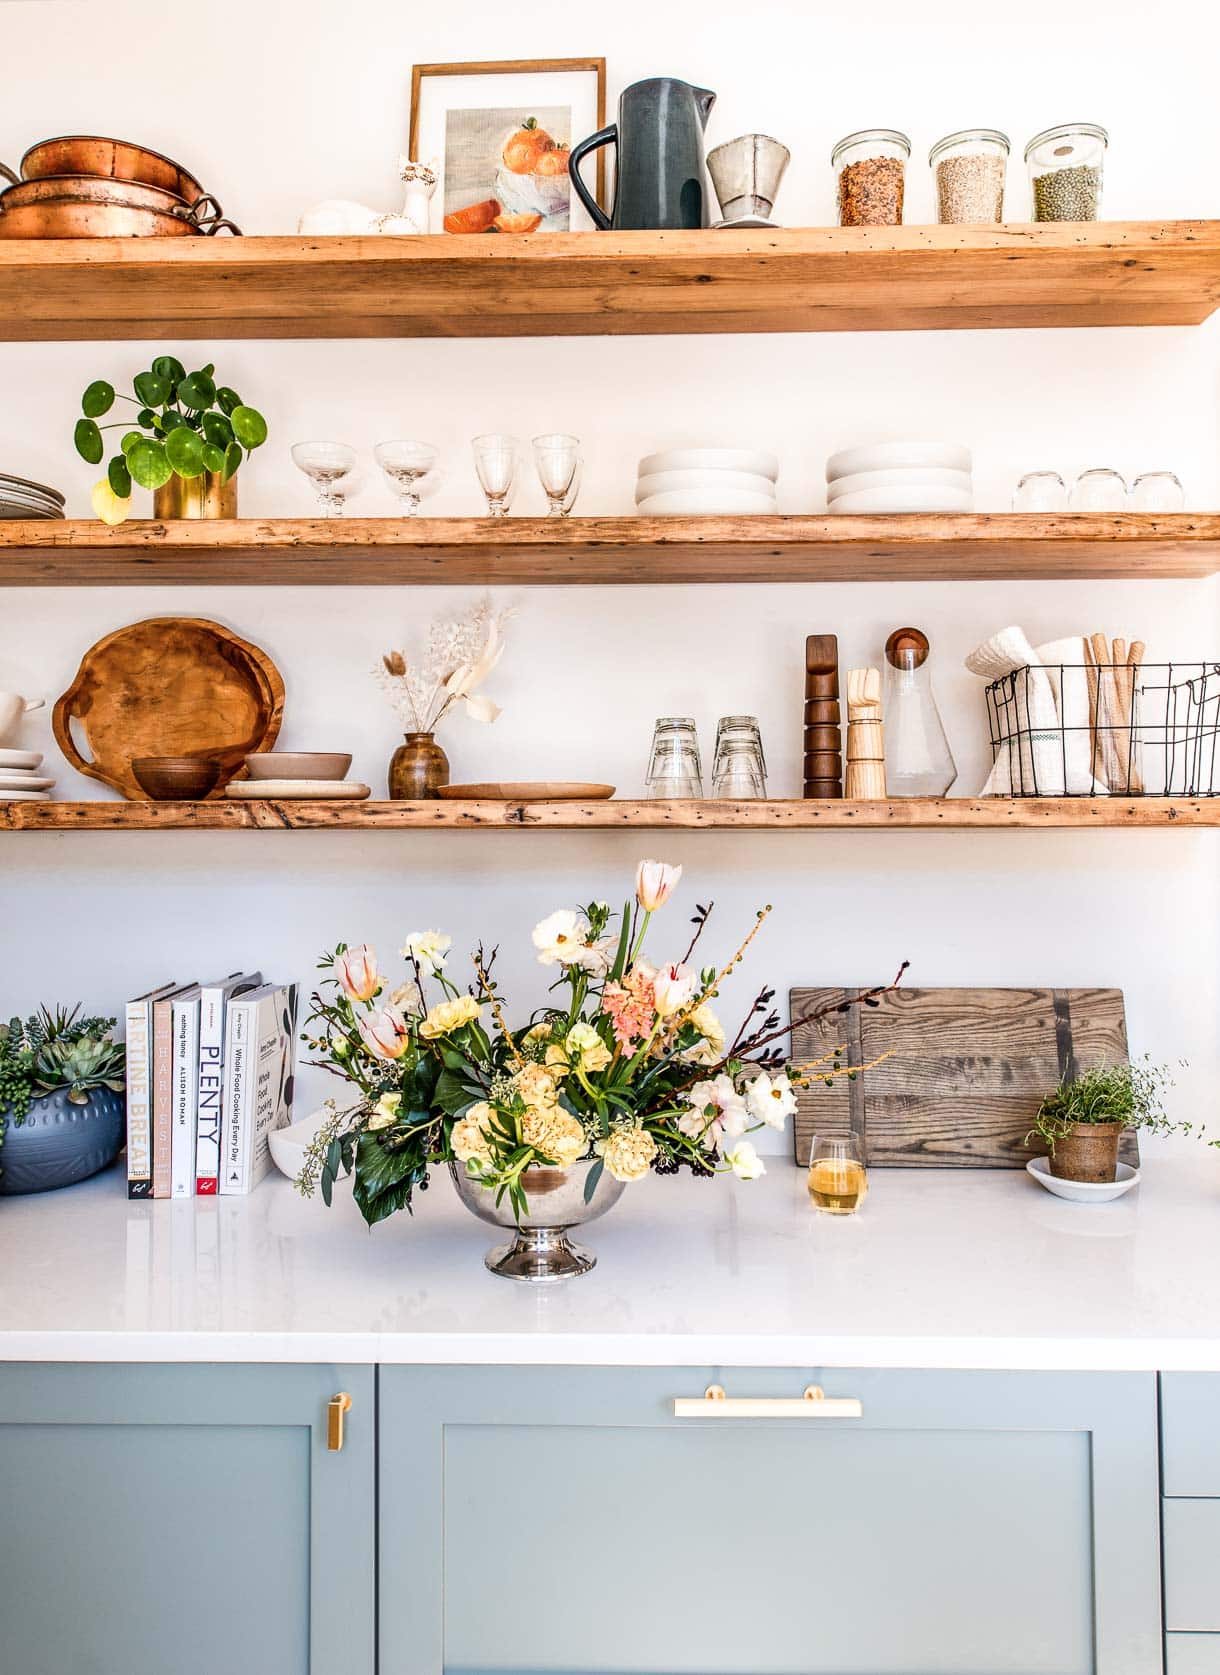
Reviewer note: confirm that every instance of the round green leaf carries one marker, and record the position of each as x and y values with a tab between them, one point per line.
148	419
171	419
88	439
130	438
97	399
150	389
208	370
227	399
196	390
171	370
184	450
148	464
232	459
120	477
213	457
217	430
249	426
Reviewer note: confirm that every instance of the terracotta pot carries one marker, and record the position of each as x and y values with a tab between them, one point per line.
1088	1153
417	767
205	496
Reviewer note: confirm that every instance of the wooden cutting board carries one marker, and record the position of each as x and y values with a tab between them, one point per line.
967	1072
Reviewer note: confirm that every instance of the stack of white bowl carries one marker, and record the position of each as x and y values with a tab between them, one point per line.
22	779
900	477
706	482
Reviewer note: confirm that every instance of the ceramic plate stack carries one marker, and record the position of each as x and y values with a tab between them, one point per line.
706	482
22	779
22	499
284	776
900	477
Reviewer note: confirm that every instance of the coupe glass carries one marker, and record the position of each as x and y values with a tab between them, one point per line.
838	1180
557	459
1040	491
327	465
1157	491
1100	490
495	460
410	470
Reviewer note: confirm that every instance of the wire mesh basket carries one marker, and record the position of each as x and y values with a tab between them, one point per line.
1077	730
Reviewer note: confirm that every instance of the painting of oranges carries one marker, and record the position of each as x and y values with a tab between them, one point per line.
506	170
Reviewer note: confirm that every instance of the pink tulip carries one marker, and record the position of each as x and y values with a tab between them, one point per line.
357	971
655	882
672	987
386	1033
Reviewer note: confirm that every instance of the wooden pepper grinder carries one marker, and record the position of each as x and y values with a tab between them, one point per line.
865	736
823	741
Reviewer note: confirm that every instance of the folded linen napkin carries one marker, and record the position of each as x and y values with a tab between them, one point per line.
1038	757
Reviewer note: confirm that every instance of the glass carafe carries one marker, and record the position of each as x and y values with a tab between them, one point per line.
918	761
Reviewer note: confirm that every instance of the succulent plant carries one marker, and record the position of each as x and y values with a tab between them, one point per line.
52	1050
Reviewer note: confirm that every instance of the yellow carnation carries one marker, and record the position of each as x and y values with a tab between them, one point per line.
448	1015
583	1042
554	1135
557	1060
469	1136
711	1049
627	1153
536	1085
535	1034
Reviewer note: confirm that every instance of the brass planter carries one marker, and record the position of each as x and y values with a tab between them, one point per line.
1088	1153
205	496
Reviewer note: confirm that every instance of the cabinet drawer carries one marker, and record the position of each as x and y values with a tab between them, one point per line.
1190	1433
1192	1654
1192	1565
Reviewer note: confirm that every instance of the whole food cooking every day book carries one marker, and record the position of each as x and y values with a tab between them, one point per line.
258	1081
213	1006
138	1033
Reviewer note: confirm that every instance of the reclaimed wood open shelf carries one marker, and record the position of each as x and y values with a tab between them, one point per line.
611	284
570	551
898	814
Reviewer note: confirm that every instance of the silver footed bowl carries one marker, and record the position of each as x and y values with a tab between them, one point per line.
541	1250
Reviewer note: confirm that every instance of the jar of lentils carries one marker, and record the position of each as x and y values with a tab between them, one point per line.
968	169
1065	167
872	174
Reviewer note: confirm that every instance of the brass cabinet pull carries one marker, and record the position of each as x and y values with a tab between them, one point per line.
814	1404
336	1408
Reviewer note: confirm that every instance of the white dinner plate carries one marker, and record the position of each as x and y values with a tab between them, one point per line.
905	500
18	779
285	790
711	459
673	482
20	759
921	476
882	456
1083	1192
705	503
25	796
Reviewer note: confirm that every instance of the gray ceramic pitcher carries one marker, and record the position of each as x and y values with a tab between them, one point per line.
660	179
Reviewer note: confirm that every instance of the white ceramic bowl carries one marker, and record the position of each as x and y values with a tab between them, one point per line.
673	482
883	456
919	476
288	1144
1083	1192
29	759
711	459
705	503
911	499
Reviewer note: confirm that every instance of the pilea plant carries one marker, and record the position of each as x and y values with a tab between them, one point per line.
184	424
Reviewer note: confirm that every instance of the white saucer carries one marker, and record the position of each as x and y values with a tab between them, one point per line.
294	790
20	759
753	460
911	499
744	221
1083	1192
705	503
25	796
18	779
882	456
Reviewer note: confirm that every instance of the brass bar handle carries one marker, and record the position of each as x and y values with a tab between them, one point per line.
814	1404
336	1409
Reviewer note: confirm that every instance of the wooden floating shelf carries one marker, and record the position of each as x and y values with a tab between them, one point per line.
553	552
899	814
607	284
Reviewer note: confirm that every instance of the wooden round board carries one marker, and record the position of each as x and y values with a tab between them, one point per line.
528	791
169	686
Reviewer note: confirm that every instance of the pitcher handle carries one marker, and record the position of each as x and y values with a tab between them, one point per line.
9	175
604	136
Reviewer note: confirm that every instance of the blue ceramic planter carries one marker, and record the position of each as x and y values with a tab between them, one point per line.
60	1143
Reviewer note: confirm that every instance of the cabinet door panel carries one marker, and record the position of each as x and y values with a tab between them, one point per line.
1190	1431
1192	1654
1192	1565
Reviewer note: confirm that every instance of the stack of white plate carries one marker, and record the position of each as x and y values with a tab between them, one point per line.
20	498
706	482
900	477
22	779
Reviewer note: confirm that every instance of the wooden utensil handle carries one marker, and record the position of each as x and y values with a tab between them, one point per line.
61	727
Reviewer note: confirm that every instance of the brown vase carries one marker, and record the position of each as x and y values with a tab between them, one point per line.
1088	1153
205	496
417	767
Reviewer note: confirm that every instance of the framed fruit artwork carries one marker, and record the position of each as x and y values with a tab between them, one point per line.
500	136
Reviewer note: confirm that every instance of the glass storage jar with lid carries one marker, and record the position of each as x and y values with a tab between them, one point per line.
968	168
872	174
1065	170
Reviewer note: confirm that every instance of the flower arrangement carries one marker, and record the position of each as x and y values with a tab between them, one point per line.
630	1069
459	654
52	1050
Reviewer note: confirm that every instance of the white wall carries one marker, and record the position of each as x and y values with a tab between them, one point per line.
309	101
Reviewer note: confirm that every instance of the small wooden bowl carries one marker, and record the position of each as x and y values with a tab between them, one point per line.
176	778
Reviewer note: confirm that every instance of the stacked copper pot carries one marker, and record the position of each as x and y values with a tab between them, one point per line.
82	186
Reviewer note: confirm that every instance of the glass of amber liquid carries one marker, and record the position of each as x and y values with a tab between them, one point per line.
838	1179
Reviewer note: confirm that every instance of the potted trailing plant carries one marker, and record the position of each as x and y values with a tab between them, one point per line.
62	1099
1083	1121
185	443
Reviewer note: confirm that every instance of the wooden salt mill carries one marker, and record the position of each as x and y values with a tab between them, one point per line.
865	736
823	741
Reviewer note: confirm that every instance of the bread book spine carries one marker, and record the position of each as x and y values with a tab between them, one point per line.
236	1092
139	1089
185	1096
162	1096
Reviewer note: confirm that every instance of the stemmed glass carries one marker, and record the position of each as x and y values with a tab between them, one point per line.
410	470
327	465
557	458
495	460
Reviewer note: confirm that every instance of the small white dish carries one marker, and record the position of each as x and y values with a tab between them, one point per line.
921	476
292	790
288	1144
711	459
883	456
672	482
743	221
705	503
29	759
904	500
24	779
25	796
1083	1192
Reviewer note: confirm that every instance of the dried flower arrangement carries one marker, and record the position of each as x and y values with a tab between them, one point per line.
459	654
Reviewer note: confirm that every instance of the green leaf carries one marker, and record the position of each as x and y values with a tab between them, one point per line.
591	1180
249	426
453	1095
130	438
149	419
168	368
213	457
171	419
97	399
232	459
148	464
120	477
197	390
184	451
227	399
88	439
150	389
327	1182
217	429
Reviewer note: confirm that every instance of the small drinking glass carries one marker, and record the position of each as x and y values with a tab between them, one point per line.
495	460
327	465
410	470
1100	490
1040	491
557	459
838	1180
1156	491
738	776
675	768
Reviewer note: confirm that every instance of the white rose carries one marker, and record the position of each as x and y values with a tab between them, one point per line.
745	1162
770	1099
428	948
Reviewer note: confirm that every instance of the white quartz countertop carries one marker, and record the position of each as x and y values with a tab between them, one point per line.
942	1268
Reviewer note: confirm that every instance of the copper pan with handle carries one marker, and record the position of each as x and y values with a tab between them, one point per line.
91	206
78	154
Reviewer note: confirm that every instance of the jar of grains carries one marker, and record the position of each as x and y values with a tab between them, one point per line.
969	172
872	170
1065	166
